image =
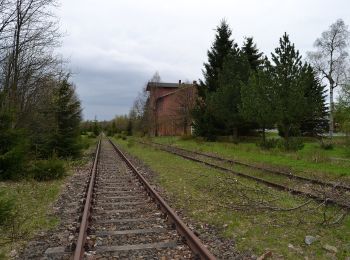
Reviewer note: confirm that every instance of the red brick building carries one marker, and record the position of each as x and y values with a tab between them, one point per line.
171	105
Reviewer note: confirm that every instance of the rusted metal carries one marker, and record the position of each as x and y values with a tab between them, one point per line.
191	239
287	174
80	246
266	182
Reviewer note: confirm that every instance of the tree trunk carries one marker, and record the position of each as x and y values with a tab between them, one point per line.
263	134
331	108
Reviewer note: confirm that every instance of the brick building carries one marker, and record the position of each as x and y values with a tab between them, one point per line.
171	105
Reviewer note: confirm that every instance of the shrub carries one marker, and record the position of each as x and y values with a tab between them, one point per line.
131	143
326	145
92	135
45	170
292	144
13	149
186	137
269	143
6	209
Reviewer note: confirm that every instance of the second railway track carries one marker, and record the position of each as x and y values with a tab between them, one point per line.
124	218
316	189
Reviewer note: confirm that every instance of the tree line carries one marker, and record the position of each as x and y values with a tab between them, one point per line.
244	91
40	112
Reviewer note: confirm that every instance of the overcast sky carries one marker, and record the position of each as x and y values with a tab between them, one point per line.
115	46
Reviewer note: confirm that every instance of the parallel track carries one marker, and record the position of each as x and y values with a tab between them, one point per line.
276	172
190	155
125	217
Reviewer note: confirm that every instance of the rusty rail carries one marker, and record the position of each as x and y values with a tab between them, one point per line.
189	237
80	246
277	172
266	182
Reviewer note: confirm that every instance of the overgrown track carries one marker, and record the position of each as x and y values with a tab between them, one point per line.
338	186
125	217
318	190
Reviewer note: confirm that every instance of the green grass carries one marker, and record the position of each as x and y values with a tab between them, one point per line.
233	205
32	200
32	204
311	161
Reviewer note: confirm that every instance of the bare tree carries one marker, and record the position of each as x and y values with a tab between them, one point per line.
185	99
29	39
330	60
156	77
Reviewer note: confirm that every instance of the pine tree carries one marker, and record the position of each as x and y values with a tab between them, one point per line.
287	76
252	53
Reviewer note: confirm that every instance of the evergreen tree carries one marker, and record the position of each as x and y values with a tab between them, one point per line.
258	100
205	123
289	87
227	99
66	140
315	121
221	47
252	53
13	149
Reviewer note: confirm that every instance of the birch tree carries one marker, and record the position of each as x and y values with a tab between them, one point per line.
331	61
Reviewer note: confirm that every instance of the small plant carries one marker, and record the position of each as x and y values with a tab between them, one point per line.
131	143
6	209
269	143
186	137
326	145
292	144
46	170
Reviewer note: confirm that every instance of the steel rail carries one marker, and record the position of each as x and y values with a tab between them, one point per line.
189	237
80	246
266	182
276	172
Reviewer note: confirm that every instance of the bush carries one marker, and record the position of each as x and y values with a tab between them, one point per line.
186	137
13	149
326	145
269	143
292	144
92	135
6	209
45	170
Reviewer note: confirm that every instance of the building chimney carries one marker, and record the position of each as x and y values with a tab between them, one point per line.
180	82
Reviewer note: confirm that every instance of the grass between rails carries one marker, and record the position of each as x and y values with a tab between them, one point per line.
32	203
311	161
246	210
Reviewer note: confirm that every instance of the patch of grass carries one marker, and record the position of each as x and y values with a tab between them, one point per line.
245	210
311	161
32	200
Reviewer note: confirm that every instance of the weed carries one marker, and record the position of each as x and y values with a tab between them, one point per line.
46	170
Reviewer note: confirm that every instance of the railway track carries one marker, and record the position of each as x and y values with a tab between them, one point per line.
273	171
299	185
125	218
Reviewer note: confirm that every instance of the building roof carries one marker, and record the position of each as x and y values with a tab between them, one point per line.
162	85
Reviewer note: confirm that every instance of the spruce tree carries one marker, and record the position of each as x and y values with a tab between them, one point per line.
227	99
66	139
205	123
252	53
315	121
221	47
